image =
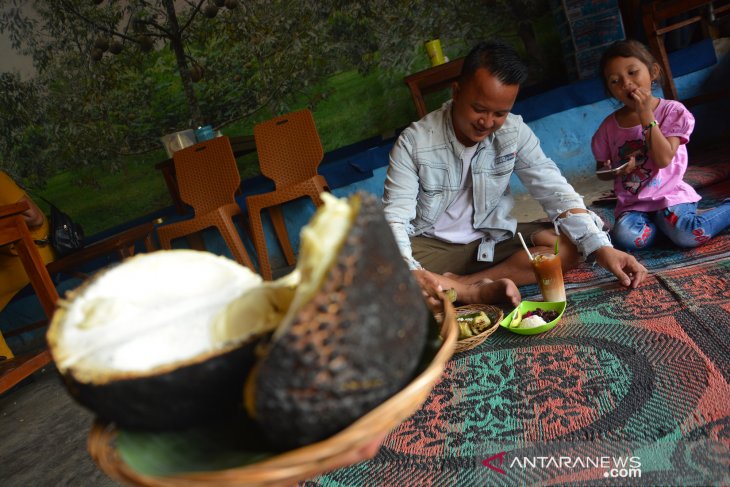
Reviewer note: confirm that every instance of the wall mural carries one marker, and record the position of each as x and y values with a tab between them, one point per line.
113	77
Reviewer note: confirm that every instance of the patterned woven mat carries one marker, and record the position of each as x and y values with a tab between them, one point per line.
635	378
631	388
663	255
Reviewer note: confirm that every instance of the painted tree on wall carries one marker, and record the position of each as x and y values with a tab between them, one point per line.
113	76
390	31
100	106
20	107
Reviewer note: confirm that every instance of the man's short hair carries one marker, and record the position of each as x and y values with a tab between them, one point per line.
497	57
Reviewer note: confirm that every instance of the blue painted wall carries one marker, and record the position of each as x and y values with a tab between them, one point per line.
566	136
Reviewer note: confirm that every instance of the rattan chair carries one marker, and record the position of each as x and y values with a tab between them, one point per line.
290	152
208	179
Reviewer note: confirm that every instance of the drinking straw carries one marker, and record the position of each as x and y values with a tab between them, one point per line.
525	246
556	245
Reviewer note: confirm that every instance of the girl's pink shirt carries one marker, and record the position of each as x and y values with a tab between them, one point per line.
648	188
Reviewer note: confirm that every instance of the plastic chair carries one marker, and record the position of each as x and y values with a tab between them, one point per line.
208	179
290	152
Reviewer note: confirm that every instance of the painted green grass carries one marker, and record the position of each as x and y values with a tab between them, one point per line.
357	107
116	197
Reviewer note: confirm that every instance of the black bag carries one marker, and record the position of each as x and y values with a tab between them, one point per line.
65	234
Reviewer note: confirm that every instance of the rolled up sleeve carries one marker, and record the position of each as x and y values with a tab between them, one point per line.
585	230
544	181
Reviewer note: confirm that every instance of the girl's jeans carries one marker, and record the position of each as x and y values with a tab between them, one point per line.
636	230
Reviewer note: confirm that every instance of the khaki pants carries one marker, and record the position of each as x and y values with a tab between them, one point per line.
439	256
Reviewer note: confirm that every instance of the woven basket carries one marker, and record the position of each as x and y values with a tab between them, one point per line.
495	316
357	442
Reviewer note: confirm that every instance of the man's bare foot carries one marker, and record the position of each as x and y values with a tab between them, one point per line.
466	279
489	292
484	291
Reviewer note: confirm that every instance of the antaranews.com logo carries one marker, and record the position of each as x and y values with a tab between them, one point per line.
681	462
614	467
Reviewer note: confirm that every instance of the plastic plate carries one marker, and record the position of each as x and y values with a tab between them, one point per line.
526	306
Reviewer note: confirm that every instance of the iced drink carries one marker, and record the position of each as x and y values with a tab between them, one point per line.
549	276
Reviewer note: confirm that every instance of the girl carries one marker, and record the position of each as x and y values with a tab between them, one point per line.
642	146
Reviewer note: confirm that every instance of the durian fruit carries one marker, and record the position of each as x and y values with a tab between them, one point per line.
167	340
136	343
353	335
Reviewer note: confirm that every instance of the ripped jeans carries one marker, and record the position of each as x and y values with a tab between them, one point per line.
635	230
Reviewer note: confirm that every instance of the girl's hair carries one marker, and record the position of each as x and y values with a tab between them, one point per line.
628	48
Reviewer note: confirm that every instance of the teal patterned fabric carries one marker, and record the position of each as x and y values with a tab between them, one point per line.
643	371
628	378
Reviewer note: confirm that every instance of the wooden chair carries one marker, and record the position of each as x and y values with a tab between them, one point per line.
290	152
431	80
102	253
208	178
13	230
655	18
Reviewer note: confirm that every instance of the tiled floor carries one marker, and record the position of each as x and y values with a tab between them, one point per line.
527	209
44	431
43	440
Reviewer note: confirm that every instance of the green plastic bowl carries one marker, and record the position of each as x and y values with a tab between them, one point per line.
526	306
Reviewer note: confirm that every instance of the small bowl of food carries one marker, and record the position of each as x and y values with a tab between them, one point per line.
476	322
533	317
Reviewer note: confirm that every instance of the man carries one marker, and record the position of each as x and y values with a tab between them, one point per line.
447	195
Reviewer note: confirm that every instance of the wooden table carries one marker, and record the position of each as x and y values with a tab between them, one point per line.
241	145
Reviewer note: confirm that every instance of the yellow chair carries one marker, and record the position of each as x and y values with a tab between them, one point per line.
208	178
290	152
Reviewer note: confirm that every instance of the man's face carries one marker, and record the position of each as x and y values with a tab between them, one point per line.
480	106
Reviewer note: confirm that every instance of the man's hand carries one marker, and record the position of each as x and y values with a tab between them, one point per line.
624	266
430	288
